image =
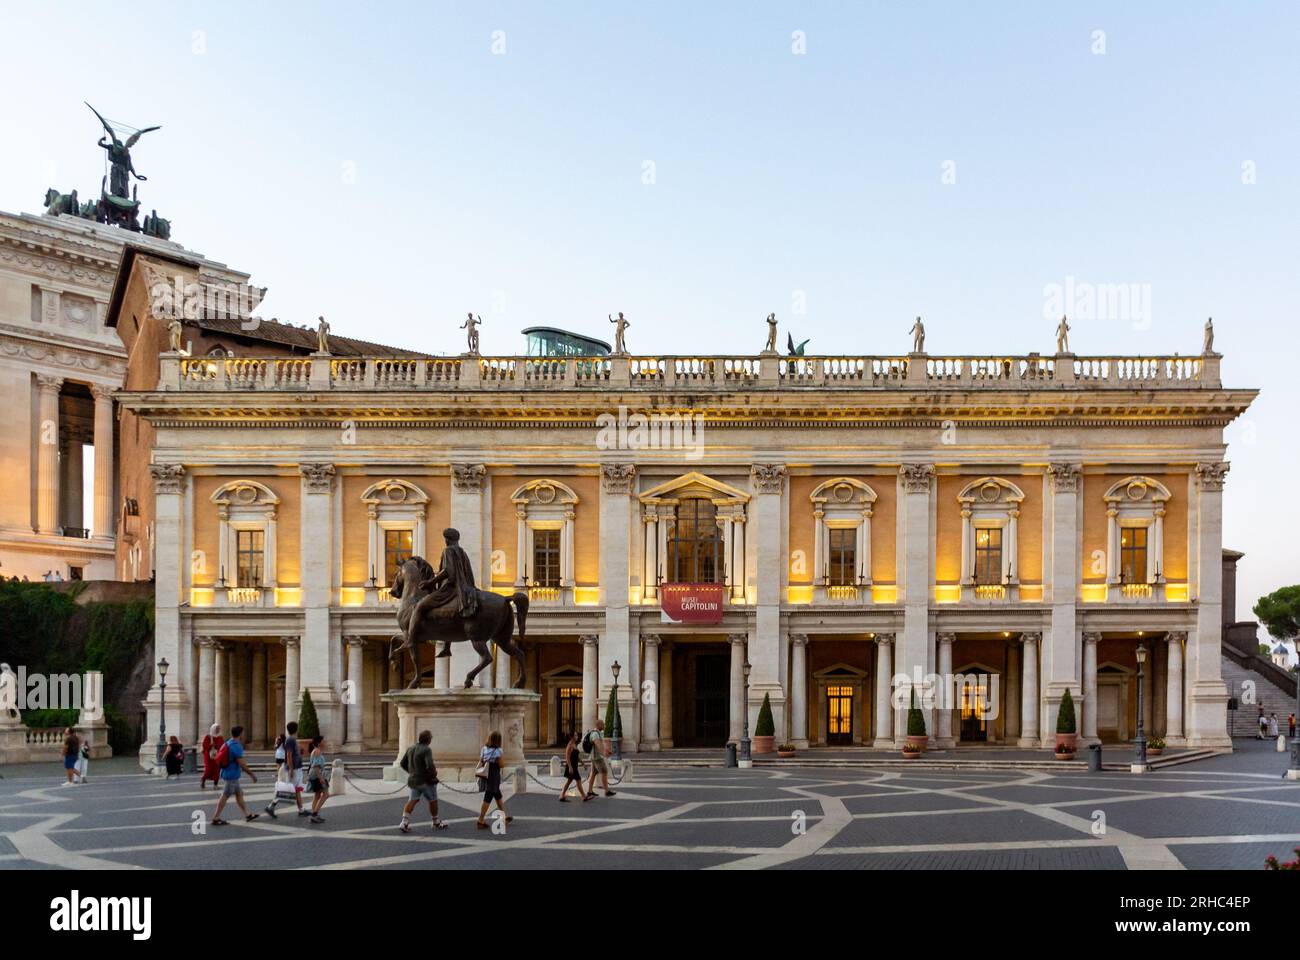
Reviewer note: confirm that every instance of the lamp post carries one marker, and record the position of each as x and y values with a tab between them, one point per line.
162	708
1139	764
745	761
617	732
1294	772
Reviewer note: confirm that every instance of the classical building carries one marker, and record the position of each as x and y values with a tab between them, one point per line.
59	365
821	525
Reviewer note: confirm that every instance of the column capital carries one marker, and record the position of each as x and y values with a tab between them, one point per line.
1091	637
319	477
49	382
650	639
617	477
289	642
799	639
1028	638
589	640
1065	476
737	639
204	642
767	477
102	392
916	477
1176	636
354	641
167	477
947	638
1212	475
884	639
468	477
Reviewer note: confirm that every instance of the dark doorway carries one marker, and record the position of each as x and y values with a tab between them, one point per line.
839	716
702	707
570	709
973	708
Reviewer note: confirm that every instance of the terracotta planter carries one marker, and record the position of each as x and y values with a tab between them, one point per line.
1071	740
762	744
1155	752
1065	756
911	755
785	754
920	742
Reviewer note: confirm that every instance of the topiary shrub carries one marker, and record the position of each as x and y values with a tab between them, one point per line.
765	726
308	725
613	721
1065	722
915	718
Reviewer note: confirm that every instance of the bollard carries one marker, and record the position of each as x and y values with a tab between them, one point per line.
627	772
557	767
1281	744
191	760
337	785
521	778
1094	758
731	755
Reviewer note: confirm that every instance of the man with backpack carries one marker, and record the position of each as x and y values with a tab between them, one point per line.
422	779
230	760
293	769
594	744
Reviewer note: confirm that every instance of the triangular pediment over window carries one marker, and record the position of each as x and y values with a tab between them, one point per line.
694	484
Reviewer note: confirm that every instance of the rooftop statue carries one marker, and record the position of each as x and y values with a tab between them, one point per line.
119	157
322	336
918	336
1207	347
446	607
1063	336
470	326
796	349
771	334
620	344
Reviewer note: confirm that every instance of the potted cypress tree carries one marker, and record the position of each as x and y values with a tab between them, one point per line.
1066	731
308	725
613	724
765	729
916	735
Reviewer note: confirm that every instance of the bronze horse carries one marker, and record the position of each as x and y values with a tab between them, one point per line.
492	623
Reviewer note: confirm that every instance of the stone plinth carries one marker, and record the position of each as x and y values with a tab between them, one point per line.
461	720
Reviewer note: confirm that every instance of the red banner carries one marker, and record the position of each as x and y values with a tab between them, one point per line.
691	602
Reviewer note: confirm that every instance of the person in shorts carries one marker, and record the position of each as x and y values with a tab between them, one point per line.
230	774
421	781
293	769
318	784
599	749
71	755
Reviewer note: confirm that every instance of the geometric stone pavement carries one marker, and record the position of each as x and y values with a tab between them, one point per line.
1228	812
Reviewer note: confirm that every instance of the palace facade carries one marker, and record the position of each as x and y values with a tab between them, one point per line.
830	523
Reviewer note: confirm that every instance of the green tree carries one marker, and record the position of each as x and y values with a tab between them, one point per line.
915	718
613	722
765	726
308	725
1279	612
1065	722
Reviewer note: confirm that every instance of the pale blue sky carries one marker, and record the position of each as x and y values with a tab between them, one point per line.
512	183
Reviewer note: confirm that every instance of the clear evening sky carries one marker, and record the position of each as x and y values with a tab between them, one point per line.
394	167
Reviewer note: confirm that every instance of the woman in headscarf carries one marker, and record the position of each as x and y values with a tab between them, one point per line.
211	744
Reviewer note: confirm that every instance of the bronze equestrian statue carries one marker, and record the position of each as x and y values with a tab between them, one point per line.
446	607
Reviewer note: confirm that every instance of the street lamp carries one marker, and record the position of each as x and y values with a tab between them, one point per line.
1139	764
1294	772
617	732
745	761
162	708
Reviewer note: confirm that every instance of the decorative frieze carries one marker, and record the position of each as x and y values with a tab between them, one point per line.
617	477
767	477
167	477
468	477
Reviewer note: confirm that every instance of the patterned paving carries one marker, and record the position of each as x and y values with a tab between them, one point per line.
1228	813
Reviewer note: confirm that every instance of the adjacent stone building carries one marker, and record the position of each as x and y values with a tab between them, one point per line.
819	525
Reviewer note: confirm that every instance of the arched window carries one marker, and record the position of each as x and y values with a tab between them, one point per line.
695	543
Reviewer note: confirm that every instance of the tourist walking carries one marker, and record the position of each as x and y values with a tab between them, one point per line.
174	757
594	743
318	783
71	755
230	760
293	770
1290	726
1272	727
83	762
490	760
211	745
421	781
1263	725
573	769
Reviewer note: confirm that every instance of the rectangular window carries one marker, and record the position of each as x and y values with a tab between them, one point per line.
546	558
397	550
695	544
1133	554
250	551
841	565
988	555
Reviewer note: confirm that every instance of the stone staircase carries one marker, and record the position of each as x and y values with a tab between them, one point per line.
1273	699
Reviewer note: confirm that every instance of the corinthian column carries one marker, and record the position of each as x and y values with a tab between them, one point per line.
799	690
102	520
884	733
1090	687
1029	708
47	453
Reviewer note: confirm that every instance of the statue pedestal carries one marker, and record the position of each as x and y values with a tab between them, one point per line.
13	743
460	720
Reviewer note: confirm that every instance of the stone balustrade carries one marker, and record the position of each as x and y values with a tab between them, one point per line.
708	373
